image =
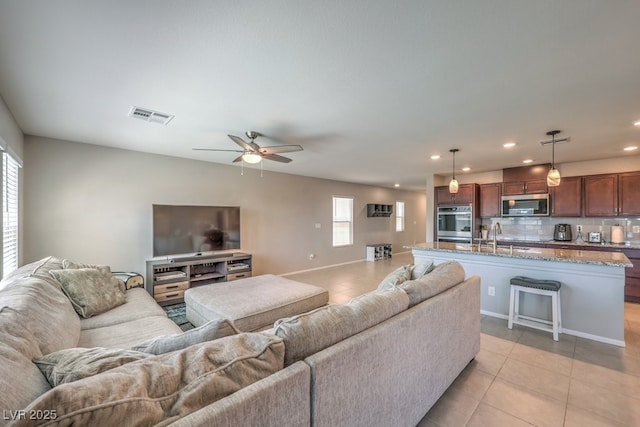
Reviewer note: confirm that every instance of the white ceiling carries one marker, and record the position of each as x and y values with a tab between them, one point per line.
370	89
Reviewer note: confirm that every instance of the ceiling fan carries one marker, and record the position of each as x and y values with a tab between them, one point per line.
253	153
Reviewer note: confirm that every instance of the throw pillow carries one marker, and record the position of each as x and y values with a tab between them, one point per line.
396	277
90	291
212	330
104	269
164	388
72	265
72	364
422	268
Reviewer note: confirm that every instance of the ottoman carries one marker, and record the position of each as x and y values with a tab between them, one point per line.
254	303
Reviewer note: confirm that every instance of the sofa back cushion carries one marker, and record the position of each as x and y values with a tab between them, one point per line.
20	380
310	332
44	310
212	330
441	278
166	387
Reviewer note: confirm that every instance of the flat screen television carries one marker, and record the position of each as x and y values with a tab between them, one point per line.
183	230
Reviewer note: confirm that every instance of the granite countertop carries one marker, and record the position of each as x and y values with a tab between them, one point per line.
614	259
627	245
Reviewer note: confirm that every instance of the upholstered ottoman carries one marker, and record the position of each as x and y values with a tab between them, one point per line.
254	303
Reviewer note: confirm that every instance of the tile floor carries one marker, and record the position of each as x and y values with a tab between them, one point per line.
521	377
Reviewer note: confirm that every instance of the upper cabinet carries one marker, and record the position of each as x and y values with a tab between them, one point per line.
566	199
629	193
490	197
525	180
612	194
466	194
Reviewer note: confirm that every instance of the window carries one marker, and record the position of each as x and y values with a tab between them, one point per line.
10	170
342	221
399	216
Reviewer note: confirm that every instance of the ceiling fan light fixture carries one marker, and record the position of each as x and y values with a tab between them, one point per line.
553	177
251	158
453	184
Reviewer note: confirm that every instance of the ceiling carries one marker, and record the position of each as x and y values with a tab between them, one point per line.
370	89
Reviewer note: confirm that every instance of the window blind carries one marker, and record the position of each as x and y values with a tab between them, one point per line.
10	169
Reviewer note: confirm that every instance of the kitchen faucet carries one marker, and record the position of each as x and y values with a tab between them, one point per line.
496	228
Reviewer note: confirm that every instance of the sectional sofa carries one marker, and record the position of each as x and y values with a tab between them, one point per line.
382	359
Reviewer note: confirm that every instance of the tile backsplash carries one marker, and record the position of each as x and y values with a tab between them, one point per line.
541	229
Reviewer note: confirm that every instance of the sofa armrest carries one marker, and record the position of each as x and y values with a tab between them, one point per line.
280	400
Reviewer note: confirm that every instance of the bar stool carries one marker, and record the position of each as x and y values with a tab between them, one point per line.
540	287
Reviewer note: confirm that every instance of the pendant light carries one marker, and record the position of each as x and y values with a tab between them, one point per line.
553	177
453	184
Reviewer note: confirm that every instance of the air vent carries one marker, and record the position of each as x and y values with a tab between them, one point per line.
558	141
150	115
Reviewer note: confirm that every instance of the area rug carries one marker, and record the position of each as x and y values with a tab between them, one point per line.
178	314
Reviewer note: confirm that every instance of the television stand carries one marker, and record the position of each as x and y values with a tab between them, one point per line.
168	278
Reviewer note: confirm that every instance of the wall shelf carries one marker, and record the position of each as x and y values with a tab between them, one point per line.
379	210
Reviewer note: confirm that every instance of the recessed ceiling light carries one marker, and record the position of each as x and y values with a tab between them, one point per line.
527	161
435	157
396	185
466	169
509	144
637	123
630	148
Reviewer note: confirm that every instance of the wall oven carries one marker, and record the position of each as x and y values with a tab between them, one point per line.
454	224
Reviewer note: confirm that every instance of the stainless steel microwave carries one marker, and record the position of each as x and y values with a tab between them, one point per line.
526	205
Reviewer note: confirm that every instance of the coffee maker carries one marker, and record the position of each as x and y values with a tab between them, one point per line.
562	233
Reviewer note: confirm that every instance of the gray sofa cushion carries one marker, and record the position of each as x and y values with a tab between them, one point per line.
43	309
311	332
139	304
90	291
20	380
166	387
73	364
441	278
212	330
128	334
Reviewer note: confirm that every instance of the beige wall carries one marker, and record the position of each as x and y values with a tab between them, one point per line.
93	204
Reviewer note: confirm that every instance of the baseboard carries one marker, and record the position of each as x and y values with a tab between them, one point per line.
332	265
320	268
566	331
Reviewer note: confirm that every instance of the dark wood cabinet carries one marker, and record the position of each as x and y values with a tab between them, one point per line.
525	180
515	188
466	194
612	194
566	199
490	199
629	193
601	195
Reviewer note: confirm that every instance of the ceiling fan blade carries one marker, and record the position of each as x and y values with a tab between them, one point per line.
237	159
248	146
280	149
217	149
276	157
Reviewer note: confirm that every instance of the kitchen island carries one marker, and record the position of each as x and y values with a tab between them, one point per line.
592	293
